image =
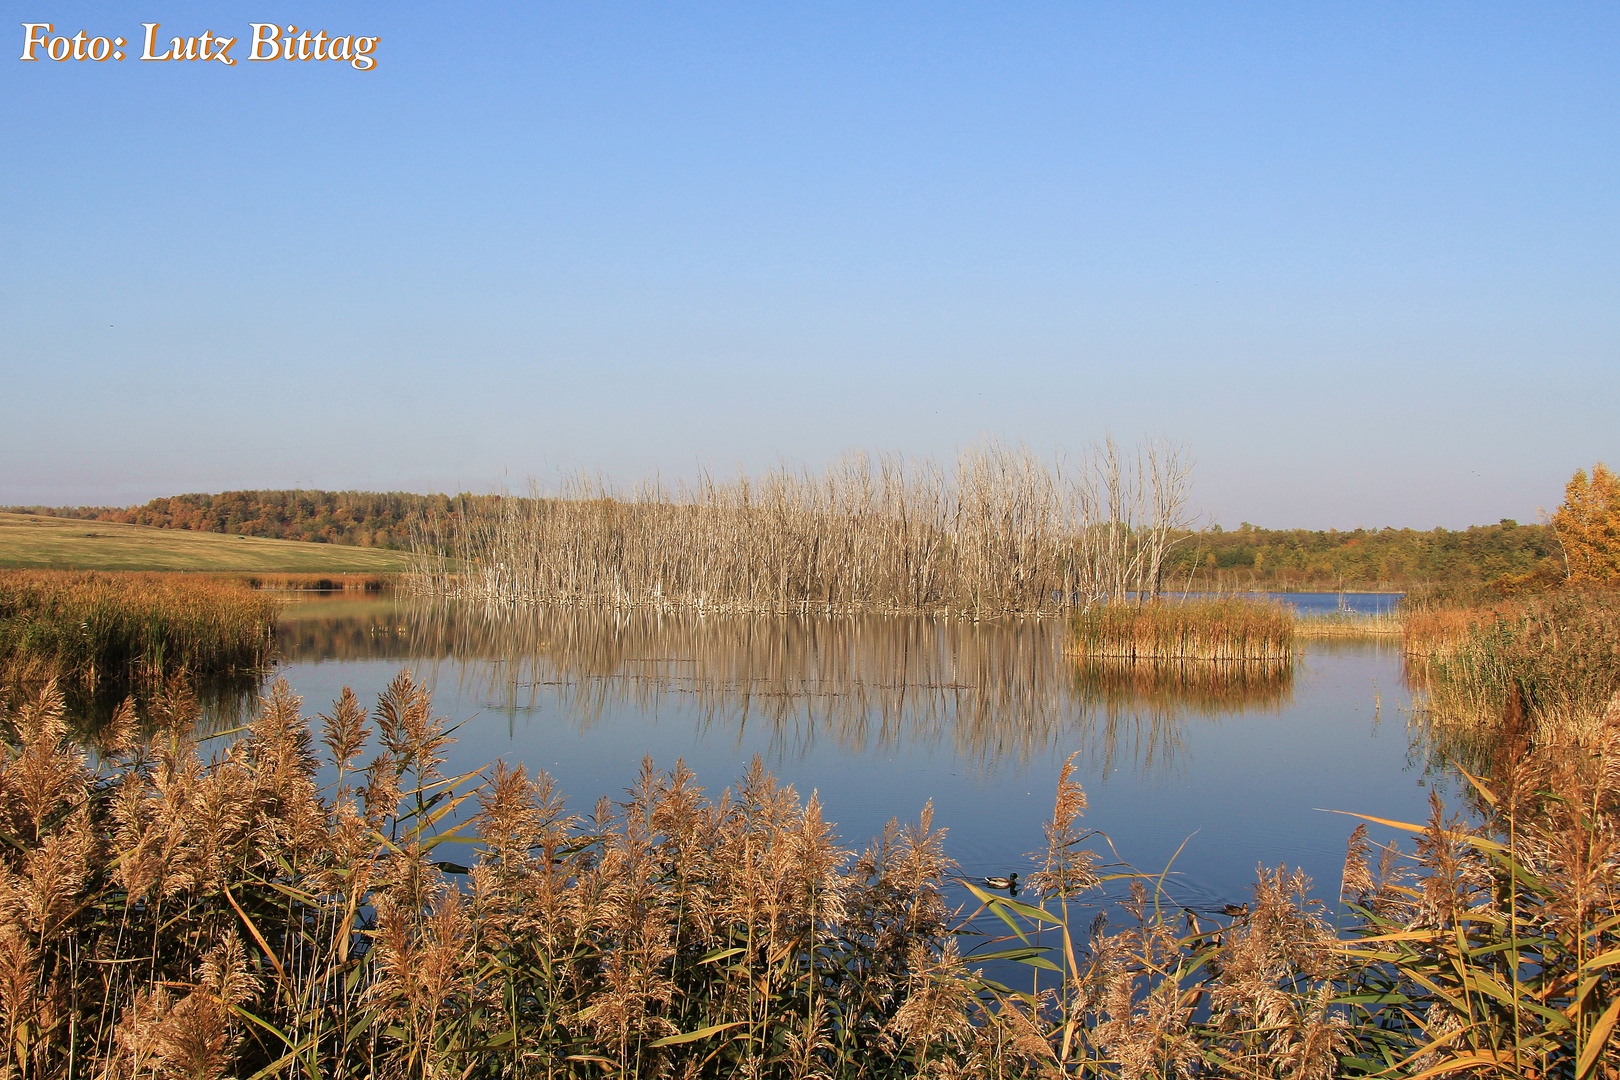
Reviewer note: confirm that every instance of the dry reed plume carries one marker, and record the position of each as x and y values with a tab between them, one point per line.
166	915
163	915
1006	532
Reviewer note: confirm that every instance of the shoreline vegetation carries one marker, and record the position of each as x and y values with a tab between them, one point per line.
272	912
86	629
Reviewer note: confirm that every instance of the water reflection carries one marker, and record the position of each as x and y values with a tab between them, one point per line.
227	701
1137	712
993	692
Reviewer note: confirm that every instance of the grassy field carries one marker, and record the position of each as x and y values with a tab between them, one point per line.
31	542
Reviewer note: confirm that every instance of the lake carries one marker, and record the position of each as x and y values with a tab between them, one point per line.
879	715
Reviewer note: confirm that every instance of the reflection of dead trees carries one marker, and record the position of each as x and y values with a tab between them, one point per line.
995	691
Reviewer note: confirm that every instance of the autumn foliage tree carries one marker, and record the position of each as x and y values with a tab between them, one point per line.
1588	526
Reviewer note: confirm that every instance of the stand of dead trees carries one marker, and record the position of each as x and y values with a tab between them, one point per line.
1006	532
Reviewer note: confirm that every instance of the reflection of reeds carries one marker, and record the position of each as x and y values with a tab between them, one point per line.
995	690
999	690
1217	628
1138	709
1205	689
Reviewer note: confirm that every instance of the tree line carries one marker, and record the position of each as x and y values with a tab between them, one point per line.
1507	555
1582	540
355	518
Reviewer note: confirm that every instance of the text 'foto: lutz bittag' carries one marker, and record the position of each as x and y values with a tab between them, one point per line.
266	41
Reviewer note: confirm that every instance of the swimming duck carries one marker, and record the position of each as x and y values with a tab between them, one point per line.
1009	883
1235	910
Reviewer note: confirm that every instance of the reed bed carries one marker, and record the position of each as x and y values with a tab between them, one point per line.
1491	950
1553	659
1350	625
1436	632
1005	532
267	912
321	582
1218	628
86	628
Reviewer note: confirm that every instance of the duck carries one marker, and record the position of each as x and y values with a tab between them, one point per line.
1009	883
1235	910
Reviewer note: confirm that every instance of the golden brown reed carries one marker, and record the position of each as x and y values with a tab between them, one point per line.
169	915
165	915
1499	939
1227	629
1553	660
88	627
318	582
1005	532
1350	625
1433	632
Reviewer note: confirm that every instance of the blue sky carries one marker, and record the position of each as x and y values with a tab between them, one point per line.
1362	258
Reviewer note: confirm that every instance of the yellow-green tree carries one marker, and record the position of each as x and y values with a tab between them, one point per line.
1588	525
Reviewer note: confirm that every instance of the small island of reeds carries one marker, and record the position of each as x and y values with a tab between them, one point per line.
1195	628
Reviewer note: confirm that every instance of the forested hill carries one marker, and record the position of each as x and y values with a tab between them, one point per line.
359	518
1506	554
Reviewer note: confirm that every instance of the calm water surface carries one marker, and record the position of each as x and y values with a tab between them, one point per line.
880	715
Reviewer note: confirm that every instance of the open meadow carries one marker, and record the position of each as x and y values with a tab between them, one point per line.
29	541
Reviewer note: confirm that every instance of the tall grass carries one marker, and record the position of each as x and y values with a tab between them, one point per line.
1436	632
1004	532
86	627
166	915
181	917
1492	949
321	582
1340	624
1552	660
1217	628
